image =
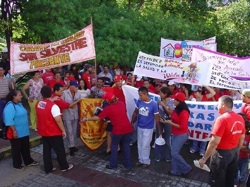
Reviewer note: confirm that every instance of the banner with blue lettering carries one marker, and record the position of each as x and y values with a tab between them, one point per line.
202	116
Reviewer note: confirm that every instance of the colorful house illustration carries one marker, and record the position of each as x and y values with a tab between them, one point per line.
168	51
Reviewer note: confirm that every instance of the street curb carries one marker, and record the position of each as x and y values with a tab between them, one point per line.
6	151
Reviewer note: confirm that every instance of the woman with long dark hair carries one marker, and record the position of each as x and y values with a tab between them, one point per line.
16	118
180	134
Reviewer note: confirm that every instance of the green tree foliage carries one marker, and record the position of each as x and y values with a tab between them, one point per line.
234	28
122	28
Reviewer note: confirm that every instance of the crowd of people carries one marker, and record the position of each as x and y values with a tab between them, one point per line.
53	99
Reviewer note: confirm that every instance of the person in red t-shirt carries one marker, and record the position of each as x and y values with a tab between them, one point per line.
117	89
47	76
57	79
86	76
180	134
122	129
246	99
228	134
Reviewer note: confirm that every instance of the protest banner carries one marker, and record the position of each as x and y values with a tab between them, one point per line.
76	48
228	65
205	73
182	50
92	133
202	114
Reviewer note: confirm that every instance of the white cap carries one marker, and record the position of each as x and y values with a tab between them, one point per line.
171	83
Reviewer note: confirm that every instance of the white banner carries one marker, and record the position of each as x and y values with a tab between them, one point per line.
182	50
76	48
185	72
226	64
202	114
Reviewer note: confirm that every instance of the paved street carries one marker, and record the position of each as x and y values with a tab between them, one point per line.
89	170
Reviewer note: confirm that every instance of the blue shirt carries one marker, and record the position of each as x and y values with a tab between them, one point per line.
16	114
146	116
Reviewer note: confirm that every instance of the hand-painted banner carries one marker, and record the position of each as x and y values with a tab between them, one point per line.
182	50
185	72
92	133
226	64
202	116
76	48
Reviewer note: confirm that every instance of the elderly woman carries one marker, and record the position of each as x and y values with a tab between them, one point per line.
121	132
180	134
16	117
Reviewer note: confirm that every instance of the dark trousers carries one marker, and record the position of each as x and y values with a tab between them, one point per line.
56	143
20	149
223	165
125	140
2	104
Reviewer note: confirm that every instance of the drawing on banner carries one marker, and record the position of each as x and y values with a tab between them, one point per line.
182	50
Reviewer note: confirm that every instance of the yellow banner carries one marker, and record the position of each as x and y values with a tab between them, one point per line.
92	133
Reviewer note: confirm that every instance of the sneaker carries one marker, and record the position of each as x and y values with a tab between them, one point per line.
191	151
19	168
69	168
202	154
157	159
74	149
138	164
33	164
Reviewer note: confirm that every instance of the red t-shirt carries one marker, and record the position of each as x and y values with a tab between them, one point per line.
60	102
53	82
87	78
182	120
229	126
116	113
118	92
246	110
246	142
47	76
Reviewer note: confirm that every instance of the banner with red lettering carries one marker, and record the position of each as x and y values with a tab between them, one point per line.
76	48
92	133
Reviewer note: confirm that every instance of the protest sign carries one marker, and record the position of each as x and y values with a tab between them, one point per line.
92	133
226	64
182	50
76	48
202	114
205	73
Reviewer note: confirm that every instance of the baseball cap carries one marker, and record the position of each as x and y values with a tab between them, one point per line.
74	83
246	92
117	78
171	83
180	96
109	96
87	66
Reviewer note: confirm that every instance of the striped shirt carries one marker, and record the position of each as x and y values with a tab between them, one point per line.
5	85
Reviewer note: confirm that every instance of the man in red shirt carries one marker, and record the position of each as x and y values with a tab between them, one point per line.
86	76
57	79
117	89
47	76
246	99
227	138
51	128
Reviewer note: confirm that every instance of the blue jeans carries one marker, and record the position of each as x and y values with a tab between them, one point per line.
179	165
242	170
125	140
167	137
199	146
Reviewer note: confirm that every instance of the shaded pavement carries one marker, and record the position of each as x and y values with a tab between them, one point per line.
89	170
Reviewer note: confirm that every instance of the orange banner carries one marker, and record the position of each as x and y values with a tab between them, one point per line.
92	133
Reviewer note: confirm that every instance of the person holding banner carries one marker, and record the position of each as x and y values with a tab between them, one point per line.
147	112
180	134
228	134
121	132
200	146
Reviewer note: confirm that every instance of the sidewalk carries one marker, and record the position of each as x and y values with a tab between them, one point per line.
89	170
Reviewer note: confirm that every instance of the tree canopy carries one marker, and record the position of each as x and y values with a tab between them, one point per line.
122	28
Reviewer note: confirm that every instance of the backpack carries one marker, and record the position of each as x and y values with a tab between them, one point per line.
5	131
